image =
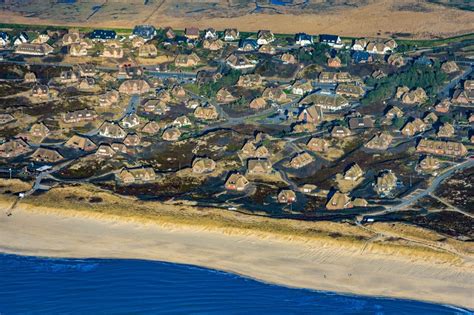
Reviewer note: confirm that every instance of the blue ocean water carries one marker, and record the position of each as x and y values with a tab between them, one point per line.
35	285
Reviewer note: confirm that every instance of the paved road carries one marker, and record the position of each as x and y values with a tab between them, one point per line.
428	191
446	89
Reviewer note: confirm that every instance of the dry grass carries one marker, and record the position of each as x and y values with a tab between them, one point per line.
90	201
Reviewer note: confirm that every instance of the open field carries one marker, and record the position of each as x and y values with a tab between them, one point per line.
407	18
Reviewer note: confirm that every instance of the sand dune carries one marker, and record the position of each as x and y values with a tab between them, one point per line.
299	263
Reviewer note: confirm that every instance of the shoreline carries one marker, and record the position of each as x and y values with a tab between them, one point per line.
293	262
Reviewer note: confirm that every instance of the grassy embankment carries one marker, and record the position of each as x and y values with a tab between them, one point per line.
91	202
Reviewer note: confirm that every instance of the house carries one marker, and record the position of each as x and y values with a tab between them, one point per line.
267	49
182	121
248	149
308	188
396	60
386	182
380	142
39	130
80	143
151	128
378	74
105	150
178	91
138	42
23	38
86	70
259	166
378	48
236	182
171	134
203	165
450	67
361	123
4	39
68	76
265	37
303	39
111	130
71	37
40	91
208	112
86	84
119	147
41	39
30	77
394	112
156	106
311	114
212	45
438	147
413	127
468	85
112	52
261	152
169	33
130	121
303	127
46	155
191	32
429	164
109	99
302	87
77	50
186	61
132	140
350	90
353	173
80	116
136	175
13	148
288	58
430	118
147	51
331	40
286	196
339	201
258	103
132	87
443	106
275	94
147	32
34	49
210	33
359	44
301	160
318	144
326	102
416	96
250	80
6	118
231	34
334	62
361	57
334	77
239	62
102	35
340	132
224	96
248	44
446	131
463	97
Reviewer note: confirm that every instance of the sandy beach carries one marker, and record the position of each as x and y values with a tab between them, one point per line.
296	263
